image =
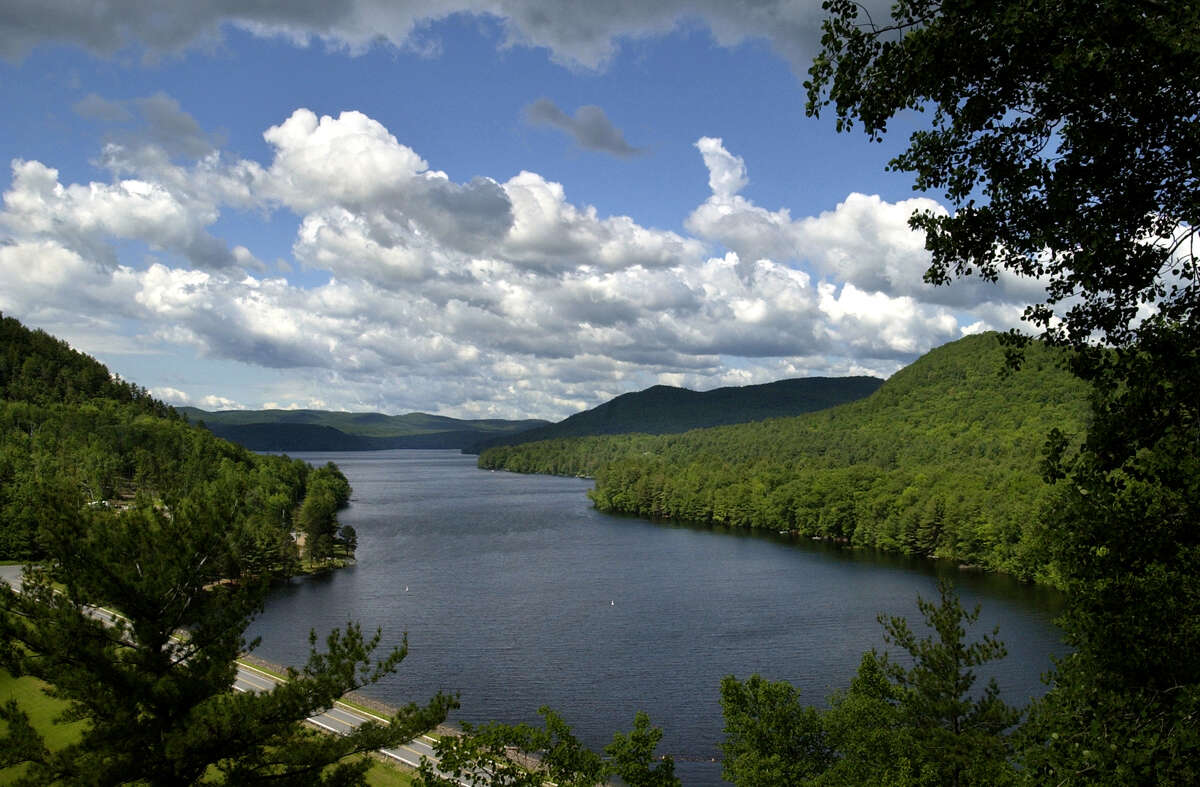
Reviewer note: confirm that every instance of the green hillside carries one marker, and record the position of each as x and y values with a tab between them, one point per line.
79	446
664	409
942	460
325	430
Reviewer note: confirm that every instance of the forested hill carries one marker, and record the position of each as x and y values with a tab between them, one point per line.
35	367
79	446
664	409
943	460
324	430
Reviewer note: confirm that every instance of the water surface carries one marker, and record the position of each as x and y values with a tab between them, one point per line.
516	593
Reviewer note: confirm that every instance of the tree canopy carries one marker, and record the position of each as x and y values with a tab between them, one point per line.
1066	138
1064	135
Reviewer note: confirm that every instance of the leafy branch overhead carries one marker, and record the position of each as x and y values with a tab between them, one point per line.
1063	134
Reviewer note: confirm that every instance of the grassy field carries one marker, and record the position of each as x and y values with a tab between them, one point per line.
42	710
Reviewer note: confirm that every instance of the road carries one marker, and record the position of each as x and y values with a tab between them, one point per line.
339	719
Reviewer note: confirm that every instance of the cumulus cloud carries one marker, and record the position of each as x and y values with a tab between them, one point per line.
478	299
85	218
864	240
584	35
590	127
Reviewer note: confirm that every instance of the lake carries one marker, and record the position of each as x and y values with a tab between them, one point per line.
515	593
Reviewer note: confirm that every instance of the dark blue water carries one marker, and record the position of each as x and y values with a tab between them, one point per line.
515	593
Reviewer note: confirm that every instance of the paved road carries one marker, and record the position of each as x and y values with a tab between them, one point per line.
339	719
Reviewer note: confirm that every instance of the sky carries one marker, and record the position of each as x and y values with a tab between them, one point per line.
475	208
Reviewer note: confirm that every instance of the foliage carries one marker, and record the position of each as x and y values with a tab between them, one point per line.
326	491
941	461
918	725
505	755
39	369
770	738
630	755
1065	136
959	735
72	437
665	409
154	685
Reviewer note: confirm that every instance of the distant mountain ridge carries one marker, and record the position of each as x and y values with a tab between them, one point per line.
324	430
664	409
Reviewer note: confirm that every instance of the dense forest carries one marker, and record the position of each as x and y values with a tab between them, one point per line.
74	438
943	460
324	430
665	409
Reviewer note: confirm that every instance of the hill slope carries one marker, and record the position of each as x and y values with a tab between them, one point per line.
78	444
664	409
942	460
324	430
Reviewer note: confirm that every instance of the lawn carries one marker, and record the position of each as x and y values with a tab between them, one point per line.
42	710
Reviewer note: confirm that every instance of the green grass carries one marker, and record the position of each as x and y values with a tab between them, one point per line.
385	774
42	711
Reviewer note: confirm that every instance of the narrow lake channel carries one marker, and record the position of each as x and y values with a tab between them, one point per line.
516	593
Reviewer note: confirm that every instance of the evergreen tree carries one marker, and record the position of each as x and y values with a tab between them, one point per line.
918	725
154	685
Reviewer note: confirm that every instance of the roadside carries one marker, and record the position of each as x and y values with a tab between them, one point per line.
253	675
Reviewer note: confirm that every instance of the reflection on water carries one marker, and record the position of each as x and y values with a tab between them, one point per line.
515	593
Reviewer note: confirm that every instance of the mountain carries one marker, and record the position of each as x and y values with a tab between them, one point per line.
324	430
943	460
664	409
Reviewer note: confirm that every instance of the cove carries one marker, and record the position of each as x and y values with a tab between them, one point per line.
516	593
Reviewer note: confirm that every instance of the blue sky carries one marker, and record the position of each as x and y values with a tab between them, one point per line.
513	209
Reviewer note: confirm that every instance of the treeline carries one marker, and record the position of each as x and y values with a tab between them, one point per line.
75	441
942	461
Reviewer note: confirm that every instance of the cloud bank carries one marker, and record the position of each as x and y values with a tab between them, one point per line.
482	298
581	35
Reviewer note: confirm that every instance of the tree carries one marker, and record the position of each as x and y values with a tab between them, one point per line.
348	536
1066	138
1063	134
770	738
155	686
918	725
506	755
630	756
959	735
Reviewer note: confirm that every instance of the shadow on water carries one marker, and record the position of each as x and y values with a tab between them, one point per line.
973	578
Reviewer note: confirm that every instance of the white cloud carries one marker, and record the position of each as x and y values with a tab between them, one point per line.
477	299
214	402
171	395
87	217
864	240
